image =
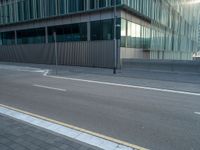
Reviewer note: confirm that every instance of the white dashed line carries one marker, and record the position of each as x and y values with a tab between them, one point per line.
124	85
48	87
197	113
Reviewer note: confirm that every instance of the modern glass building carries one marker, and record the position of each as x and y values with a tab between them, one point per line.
199	38
85	31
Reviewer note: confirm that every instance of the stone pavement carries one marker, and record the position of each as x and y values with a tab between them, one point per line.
17	135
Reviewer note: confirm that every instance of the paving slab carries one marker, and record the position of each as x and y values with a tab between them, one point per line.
17	135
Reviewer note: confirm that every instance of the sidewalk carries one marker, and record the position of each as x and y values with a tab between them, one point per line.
17	135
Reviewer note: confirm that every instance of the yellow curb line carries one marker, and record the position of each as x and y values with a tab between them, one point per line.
77	128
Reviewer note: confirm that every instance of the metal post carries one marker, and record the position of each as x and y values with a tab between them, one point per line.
115	40
56	52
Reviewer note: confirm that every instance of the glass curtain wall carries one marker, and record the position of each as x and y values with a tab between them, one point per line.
199	37
172	22
23	10
173	25
134	35
64	33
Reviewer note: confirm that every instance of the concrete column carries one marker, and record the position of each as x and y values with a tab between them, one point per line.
126	42
88	31
87	5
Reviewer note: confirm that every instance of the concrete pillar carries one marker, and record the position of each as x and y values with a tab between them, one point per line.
126	42
87	5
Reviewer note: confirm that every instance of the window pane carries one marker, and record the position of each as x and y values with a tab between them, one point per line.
107	29
92	4
72	5
103	30
81	5
123	32
96	34
72	32
31	36
102	3
8	38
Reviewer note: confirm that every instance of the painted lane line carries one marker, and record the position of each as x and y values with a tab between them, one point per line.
89	137
48	87
124	85
197	113
21	68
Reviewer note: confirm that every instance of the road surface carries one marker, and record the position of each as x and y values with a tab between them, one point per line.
152	118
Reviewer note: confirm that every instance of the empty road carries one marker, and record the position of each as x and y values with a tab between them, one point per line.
153	118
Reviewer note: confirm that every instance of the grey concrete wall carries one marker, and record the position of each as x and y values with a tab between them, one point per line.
87	53
133	53
196	58
163	65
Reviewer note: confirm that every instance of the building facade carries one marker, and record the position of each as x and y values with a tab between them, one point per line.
199	38
84	31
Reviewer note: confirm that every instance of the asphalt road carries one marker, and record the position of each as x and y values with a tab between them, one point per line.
156	120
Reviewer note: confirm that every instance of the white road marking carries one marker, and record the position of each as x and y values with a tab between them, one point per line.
21	68
95	139
197	113
48	87
124	85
